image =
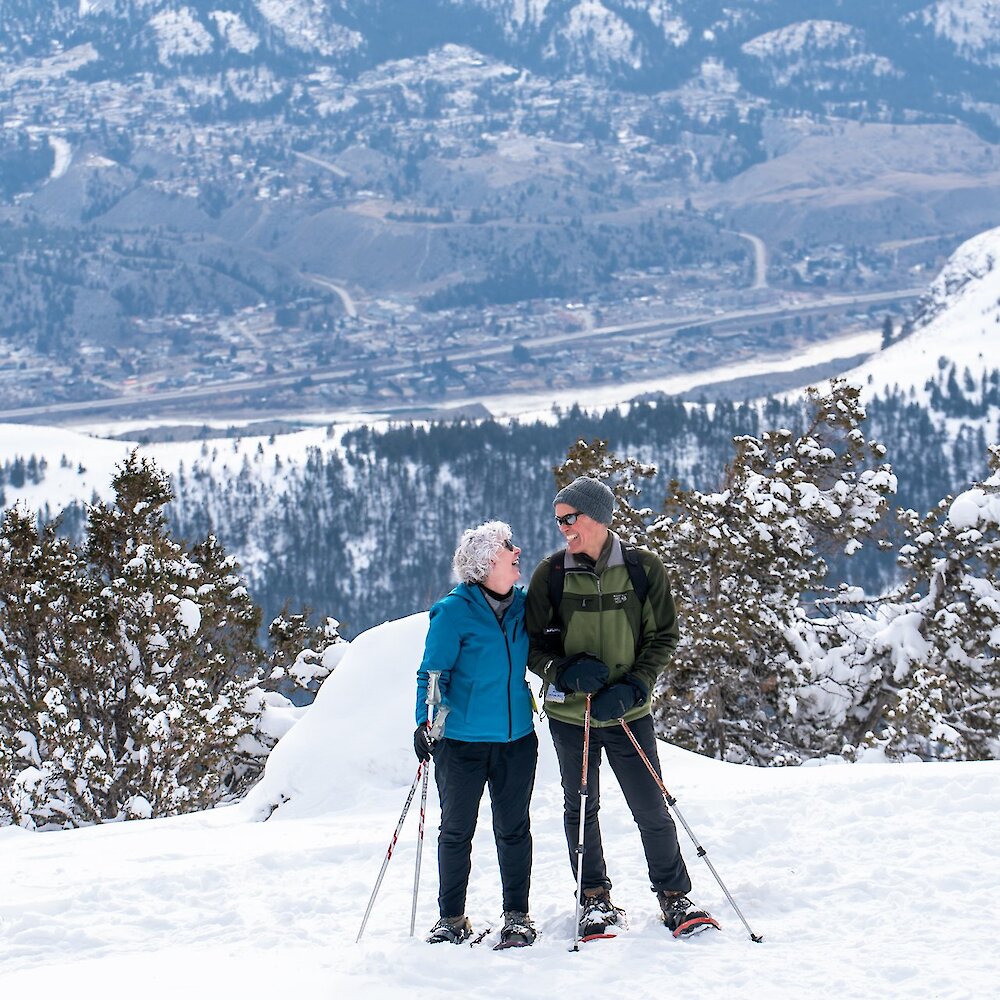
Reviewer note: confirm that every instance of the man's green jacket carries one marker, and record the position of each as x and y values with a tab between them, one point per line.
600	614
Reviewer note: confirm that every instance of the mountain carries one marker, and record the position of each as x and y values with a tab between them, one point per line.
303	186
845	48
220	903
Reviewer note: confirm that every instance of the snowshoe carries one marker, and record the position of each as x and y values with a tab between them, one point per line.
599	913
681	917
517	932
453	930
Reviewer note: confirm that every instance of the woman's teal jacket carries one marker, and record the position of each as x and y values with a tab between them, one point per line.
482	666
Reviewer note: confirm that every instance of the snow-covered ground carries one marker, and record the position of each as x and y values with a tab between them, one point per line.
866	880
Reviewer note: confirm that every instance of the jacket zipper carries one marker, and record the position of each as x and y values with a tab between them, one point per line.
510	675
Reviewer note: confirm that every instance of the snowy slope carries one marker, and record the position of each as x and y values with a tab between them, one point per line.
958	320
866	880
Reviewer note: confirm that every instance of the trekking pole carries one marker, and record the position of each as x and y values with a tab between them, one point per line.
433	698
583	815
702	853
388	854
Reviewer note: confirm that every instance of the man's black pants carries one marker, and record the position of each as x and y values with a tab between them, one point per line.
656	826
462	770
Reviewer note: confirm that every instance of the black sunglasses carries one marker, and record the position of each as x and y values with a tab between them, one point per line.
569	518
508	545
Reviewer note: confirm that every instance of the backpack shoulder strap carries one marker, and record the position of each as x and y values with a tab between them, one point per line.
557	577
636	572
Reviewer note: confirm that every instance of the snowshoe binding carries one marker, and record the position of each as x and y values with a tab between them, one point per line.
453	930
517	932
598	914
681	917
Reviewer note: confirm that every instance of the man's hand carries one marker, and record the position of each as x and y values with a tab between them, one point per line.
615	700
581	672
423	742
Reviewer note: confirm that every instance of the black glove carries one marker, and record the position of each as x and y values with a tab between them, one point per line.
581	672
423	742
615	700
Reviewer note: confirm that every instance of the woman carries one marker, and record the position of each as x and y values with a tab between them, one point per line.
478	644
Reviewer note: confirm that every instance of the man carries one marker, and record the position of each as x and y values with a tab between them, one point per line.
603	640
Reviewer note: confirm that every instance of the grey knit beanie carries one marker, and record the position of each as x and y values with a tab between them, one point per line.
590	497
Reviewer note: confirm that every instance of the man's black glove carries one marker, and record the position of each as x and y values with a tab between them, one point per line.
615	700
581	672
423	742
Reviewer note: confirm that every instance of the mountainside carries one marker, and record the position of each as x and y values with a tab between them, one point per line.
898	48
956	324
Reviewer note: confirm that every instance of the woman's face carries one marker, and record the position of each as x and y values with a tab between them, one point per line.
506	569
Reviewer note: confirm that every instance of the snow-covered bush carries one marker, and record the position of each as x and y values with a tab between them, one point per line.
130	673
743	558
930	652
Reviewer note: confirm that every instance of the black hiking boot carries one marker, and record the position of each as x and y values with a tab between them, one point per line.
517	932
682	917
599	913
453	930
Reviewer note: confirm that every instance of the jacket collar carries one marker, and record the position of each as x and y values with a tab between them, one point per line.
471	594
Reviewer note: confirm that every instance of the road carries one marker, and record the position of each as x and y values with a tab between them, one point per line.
759	260
346	371
345	296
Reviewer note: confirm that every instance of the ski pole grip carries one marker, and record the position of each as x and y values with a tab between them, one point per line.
433	691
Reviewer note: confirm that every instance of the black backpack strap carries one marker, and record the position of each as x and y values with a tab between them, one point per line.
636	573
557	578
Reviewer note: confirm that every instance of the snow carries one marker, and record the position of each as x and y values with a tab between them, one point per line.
592	33
972	26
306	25
977	506
959	321
188	615
807	43
179	33
62	156
234	30
865	880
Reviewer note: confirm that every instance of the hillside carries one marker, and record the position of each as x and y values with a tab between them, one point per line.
241	199
823	862
956	323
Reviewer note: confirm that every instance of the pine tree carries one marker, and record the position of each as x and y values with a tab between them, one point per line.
741	561
41	588
947	703
129	669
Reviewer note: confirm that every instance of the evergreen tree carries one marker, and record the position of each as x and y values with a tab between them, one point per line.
128	669
947	705
741	561
887	332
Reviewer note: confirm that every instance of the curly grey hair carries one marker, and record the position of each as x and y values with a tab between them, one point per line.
477	550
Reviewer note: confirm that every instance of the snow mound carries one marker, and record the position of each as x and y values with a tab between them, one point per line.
357	733
357	737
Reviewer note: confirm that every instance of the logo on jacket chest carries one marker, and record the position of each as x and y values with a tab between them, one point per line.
594	603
